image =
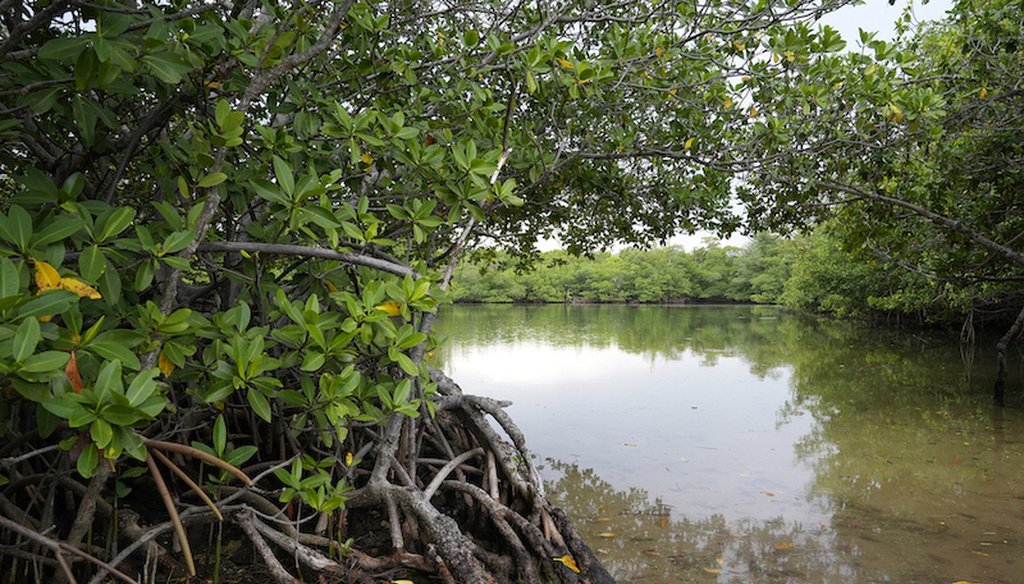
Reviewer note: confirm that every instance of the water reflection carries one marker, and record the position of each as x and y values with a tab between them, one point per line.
748	445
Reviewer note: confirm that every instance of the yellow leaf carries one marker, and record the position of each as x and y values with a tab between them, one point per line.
349	458
728	103
713	570
673	91
983	93
689	143
565	64
871	70
752	111
659	51
330	286
768	493
79	288
745	78
775	58
569	563
402	582
165	365
46	276
213	84
790	56
607	534
739	46
391	307
366	158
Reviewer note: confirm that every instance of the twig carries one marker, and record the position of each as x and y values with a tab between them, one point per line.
179	529
57	547
13	460
306	555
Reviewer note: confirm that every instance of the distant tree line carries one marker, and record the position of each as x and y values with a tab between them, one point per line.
713	272
819	272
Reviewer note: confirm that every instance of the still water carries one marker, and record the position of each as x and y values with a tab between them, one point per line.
746	444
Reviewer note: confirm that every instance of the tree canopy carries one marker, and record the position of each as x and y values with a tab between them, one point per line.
227	225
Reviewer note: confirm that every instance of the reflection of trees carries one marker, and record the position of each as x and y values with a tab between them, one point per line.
654	331
642	541
921	478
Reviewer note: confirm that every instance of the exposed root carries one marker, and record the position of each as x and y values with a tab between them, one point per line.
444	497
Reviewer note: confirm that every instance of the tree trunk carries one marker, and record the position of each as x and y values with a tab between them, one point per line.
999	391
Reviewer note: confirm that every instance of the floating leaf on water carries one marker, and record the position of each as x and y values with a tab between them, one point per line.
569	562
607	534
629	445
651	552
712	570
768	493
786	545
663	521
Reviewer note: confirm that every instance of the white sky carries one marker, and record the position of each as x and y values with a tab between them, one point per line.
873	16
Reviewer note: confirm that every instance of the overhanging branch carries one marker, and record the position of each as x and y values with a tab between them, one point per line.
309	252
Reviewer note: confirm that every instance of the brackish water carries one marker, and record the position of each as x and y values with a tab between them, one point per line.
746	444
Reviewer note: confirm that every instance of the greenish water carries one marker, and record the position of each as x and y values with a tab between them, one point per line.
745	444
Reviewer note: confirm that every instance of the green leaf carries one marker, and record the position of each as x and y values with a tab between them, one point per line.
113	223
109	381
167	67
45	362
87	461
49	303
25	339
404	362
63	48
313	361
101	432
260	405
213	179
284	176
142	387
20	223
10	282
37	392
220	435
58	230
120	415
113	345
91	263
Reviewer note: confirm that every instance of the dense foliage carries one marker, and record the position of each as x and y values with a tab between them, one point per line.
225	229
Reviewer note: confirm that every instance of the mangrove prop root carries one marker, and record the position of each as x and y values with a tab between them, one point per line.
470	509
